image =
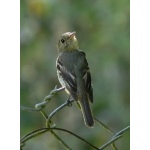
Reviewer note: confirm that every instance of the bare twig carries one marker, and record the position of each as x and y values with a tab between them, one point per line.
110	142
39	108
47	99
103	125
76	136
39	132
114	146
117	136
43	130
122	131
67	103
28	109
32	134
108	129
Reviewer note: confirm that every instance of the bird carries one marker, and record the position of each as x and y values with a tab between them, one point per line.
74	74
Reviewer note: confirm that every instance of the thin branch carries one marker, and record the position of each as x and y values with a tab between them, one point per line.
52	132
32	134
108	129
104	126
39	108
43	130
122	131
28	109
114	146
110	142
60	140
39	132
76	136
117	136
67	103
47	99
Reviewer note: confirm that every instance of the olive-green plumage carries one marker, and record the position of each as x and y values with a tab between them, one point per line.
73	73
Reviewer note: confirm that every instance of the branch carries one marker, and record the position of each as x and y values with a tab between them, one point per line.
28	109
47	99
77	136
122	131
103	125
110	142
39	108
117	136
67	103
43	130
39	132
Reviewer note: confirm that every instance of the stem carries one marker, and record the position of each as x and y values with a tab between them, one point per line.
103	125
122	131
59	108
110	142
41	131
76	136
47	99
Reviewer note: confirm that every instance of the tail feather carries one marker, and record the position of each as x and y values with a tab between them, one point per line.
83	100
86	111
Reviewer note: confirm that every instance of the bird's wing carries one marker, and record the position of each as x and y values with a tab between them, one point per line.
87	79
69	78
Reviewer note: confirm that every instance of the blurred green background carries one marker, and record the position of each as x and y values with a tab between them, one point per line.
103	32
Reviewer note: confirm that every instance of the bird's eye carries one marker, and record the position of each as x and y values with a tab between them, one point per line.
62	40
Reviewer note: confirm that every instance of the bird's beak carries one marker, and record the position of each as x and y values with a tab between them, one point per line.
72	34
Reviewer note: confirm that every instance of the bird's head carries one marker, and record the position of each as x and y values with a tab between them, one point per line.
67	42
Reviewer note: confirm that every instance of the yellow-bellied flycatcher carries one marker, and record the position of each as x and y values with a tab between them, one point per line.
74	74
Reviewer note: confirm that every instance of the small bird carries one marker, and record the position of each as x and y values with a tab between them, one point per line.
74	74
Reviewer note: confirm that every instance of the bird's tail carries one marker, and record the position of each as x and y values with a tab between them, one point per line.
86	110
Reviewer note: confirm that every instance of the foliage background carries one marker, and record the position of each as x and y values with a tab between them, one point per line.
103	32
